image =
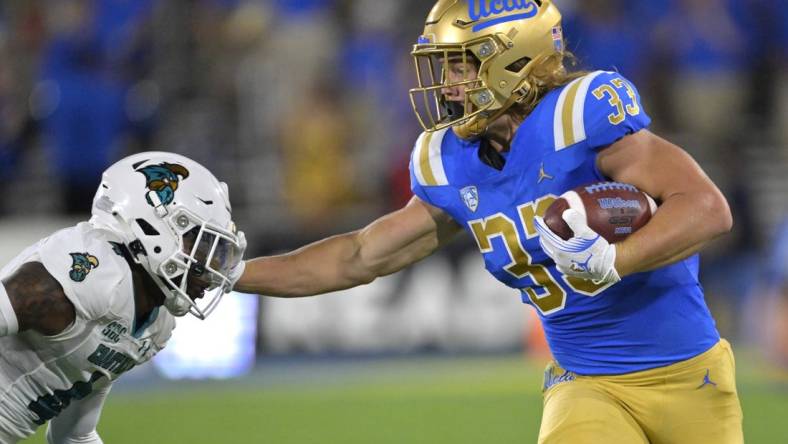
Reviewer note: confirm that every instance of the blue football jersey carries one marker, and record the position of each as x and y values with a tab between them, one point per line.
647	320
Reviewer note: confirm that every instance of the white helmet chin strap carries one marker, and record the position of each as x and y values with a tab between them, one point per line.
178	302
173	301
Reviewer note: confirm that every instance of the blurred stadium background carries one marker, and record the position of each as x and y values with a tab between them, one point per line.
301	106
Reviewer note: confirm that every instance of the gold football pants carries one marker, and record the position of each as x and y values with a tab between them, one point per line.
692	401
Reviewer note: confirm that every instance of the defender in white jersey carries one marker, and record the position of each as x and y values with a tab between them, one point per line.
82	306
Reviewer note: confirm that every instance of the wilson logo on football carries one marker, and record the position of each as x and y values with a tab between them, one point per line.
607	203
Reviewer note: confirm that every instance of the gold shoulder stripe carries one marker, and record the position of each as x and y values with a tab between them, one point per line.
424	160
566	113
568	123
427	159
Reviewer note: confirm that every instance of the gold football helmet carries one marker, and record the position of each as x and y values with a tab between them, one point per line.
506	40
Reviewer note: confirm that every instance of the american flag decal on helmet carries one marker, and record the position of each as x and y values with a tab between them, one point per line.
558	38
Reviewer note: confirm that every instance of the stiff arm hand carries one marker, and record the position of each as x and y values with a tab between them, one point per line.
238	270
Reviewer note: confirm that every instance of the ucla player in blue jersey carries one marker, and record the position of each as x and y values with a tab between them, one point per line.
508	129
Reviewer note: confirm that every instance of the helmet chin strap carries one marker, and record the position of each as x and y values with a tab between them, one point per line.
474	128
173	301
477	125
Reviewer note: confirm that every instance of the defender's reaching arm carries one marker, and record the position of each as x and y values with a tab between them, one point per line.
385	246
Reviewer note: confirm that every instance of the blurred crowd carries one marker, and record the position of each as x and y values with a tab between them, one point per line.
302	107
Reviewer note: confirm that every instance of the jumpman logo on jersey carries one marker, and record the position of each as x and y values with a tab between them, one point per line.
542	174
707	380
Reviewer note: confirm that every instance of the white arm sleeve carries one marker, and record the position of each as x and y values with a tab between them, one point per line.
77	423
9	325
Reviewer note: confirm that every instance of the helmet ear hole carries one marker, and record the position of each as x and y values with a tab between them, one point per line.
518	65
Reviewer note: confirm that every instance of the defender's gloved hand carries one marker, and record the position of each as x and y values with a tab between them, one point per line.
587	255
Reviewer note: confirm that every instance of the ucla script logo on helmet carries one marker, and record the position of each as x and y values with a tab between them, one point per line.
163	179
81	265
479	10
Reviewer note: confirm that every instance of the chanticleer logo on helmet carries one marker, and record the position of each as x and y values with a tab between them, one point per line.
162	180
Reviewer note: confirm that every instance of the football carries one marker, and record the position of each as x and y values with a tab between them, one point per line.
614	210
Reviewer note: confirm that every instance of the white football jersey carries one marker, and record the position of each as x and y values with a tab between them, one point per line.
40	375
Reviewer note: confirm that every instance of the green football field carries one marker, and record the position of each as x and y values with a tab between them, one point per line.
480	399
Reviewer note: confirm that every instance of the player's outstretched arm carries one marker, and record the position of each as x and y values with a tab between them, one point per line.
36	300
692	209
388	244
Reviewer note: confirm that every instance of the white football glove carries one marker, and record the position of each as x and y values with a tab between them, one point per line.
587	255
238	270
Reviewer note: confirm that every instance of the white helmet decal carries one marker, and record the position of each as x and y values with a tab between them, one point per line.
162	181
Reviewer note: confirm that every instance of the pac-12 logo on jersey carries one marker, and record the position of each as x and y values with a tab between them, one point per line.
163	180
470	195
81	266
